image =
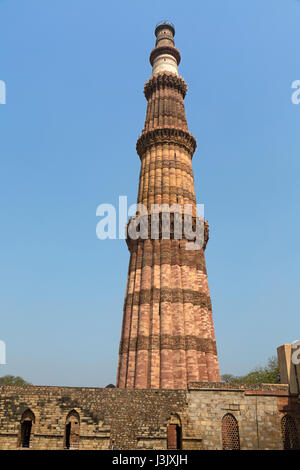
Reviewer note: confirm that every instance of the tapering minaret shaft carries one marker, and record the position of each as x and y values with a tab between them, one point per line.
167	336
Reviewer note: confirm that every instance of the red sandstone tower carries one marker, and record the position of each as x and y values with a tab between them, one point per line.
167	335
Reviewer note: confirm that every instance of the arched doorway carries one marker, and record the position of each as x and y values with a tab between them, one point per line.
174	433
72	429
27	422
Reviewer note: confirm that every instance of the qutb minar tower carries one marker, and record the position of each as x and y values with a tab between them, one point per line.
167	335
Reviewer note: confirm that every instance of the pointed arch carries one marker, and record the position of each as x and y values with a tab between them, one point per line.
27	425
230	433
72	430
289	433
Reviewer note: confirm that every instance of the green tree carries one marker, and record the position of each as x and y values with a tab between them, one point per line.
268	374
227	378
13	380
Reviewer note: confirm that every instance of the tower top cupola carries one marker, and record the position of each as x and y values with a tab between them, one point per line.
165	57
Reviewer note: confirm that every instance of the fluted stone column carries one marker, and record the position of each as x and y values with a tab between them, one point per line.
167	337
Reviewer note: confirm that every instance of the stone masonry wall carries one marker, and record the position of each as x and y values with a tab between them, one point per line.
138	419
108	417
255	409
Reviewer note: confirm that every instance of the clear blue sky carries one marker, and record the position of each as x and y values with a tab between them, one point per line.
75	71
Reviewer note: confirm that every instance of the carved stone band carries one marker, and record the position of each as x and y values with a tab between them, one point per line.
171	342
167	294
166	136
165	80
170	164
